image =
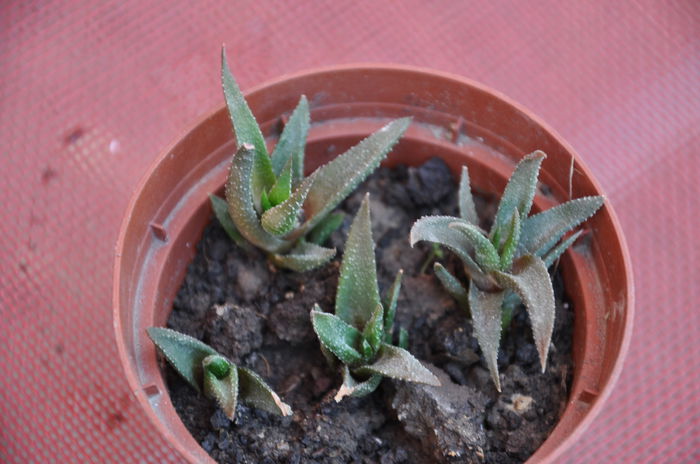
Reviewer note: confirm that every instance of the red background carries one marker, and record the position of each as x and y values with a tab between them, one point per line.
91	92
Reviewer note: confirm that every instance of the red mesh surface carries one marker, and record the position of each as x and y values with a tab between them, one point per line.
91	92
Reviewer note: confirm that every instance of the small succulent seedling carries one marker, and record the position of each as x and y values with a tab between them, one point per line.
267	194
509	264
202	367
360	333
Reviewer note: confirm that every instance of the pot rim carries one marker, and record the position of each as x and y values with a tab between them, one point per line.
602	396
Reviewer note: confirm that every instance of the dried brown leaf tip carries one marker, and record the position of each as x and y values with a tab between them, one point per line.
270	204
360	333
508	265
205	369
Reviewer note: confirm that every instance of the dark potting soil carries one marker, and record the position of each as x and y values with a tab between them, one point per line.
258	316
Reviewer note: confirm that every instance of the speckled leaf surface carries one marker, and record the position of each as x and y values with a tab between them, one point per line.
486	319
485	253
510	245
355	388
340	338
390	303
467	210
224	391
453	286
254	392
292	142
520	190
398	363
436	229
304	257
282	218
558	250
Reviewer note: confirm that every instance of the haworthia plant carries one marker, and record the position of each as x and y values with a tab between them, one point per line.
360	333
205	369
266	195
508	265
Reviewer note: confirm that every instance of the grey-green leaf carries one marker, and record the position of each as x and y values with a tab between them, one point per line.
340	338
282	218
256	393
184	353
354	388
337	179
220	208
390	303
403	338
453	286
557	251
485	253
541	231
520	190
292	142
325	228
436	229
486	319
374	329
530	280
510	246
239	196
398	363
304	257
358	293
467	210
247	129
224	391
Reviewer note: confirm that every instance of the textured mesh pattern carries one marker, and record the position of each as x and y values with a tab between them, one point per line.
91	92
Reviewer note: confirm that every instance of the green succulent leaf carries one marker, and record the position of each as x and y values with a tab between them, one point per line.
304	257
453	286
531	281
265	203
339	337
557	251
256	393
283	186
519	192
398	363
323	230
337	179
282	218
247	130
486	319
391	301
485	253
358	293
223	389
511	244
354	388
467	210
239	196
217	365
292	142
184	353
403	338
374	329
437	229
220	208
541	231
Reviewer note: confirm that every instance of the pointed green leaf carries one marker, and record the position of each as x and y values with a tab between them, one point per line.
354	388
323	230
183	352
485	253
340	338
304	257
557	251
374	329
265	203
239	197
391	300
293	141
467	210
358	294
224	390
247	130
403	338
453	286
541	231
520	190
436	229
337	179
220	208
256	393
486	320
531	281
398	363
283	186
511	244
282	218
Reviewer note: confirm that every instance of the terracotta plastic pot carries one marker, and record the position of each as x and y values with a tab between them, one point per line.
455	119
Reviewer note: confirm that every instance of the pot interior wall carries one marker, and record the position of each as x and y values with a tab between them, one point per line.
458	121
